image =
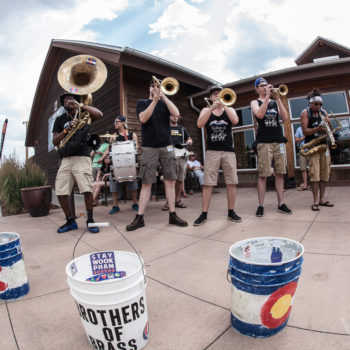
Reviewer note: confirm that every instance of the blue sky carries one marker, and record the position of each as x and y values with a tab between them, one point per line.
224	40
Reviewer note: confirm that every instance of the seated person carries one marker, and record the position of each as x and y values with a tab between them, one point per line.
195	168
101	178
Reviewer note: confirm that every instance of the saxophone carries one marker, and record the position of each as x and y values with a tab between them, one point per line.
314	145
81	75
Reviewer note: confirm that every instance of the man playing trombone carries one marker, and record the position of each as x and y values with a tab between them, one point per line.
154	114
271	149
218	120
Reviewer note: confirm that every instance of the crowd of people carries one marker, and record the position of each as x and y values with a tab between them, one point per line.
165	146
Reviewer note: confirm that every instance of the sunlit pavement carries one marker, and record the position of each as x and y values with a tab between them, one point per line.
188	295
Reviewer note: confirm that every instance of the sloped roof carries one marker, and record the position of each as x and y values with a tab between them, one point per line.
114	55
322	47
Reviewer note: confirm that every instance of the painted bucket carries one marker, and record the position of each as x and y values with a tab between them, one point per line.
109	291
264	275
13	279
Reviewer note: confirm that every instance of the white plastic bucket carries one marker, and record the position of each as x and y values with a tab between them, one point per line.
13	279
113	309
264	275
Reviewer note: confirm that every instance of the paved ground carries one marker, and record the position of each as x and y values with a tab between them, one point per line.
188	295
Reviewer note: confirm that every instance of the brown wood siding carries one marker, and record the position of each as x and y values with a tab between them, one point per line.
106	99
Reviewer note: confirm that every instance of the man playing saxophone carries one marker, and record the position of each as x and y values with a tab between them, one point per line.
319	158
76	164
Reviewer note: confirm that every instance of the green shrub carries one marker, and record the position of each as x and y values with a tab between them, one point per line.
13	177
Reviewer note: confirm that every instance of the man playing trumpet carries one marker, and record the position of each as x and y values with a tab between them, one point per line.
271	149
320	161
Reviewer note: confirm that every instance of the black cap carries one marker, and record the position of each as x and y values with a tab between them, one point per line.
64	95
214	88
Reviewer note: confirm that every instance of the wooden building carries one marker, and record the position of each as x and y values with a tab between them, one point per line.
324	64
129	72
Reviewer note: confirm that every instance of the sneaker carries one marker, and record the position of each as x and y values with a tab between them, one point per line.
135	207
137	223
201	220
284	209
175	220
114	210
234	217
260	211
67	227
93	229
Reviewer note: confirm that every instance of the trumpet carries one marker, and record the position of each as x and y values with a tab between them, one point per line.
227	97
169	86
282	90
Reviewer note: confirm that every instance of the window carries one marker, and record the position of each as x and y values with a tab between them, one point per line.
242	141
332	102
341	154
51	122
245	117
296	147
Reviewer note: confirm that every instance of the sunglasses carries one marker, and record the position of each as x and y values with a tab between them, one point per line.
317	104
117	121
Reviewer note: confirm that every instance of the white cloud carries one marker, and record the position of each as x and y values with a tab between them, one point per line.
24	44
180	19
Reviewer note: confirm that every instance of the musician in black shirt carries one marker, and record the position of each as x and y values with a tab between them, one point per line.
218	120
154	114
76	161
319	162
270	139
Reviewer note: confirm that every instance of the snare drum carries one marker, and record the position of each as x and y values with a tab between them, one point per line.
181	153
123	157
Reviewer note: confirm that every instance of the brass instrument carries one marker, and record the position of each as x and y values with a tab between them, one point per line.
282	90
227	97
313	146
169	86
81	75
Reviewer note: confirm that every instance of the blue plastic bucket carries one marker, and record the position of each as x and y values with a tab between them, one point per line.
264	275
13	279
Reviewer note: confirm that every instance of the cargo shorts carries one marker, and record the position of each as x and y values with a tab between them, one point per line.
271	154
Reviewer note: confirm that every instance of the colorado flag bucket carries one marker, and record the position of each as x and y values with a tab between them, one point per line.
264	274
13	279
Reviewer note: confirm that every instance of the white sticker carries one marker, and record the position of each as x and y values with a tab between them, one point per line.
170	148
281	148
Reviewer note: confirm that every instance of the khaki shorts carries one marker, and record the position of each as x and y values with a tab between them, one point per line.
213	161
303	163
180	169
320	166
271	154
76	168
150	159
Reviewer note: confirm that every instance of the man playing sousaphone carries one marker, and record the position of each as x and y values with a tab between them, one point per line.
320	160
76	163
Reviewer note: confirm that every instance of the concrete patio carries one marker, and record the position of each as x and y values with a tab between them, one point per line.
188	295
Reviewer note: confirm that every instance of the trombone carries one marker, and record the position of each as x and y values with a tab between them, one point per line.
169	86
227	97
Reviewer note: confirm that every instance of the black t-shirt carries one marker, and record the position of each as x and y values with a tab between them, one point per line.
269	127
156	131
105	169
178	134
219	133
314	122
62	122
120	137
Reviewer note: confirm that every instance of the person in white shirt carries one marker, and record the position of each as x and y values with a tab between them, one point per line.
194	166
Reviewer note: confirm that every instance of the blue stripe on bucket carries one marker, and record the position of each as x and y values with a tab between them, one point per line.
15	293
259	289
254	330
11	260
